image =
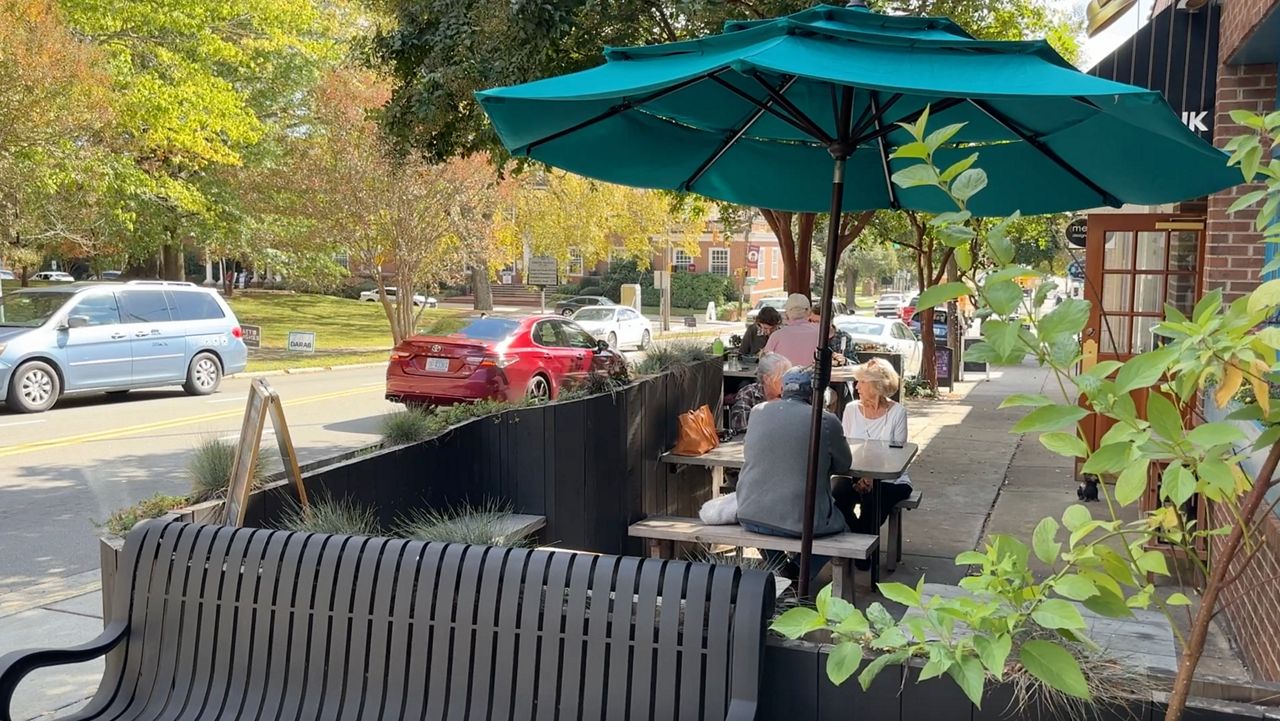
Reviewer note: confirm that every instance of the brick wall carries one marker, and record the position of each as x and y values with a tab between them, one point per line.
1251	606
1240	19
1233	251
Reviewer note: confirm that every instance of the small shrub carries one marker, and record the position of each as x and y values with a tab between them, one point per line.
673	356
123	520
331	515
210	466
486	525
410	425
915	387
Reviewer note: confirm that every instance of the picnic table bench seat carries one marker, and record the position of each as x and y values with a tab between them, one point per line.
894	553
662	532
212	622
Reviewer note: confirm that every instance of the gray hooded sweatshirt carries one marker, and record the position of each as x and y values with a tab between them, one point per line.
776	450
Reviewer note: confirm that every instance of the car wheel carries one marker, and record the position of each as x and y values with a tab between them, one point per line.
34	388
644	340
204	375
539	389
613	341
567	312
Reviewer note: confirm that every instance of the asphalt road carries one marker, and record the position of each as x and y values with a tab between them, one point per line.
63	471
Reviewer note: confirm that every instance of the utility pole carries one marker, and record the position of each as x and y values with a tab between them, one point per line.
666	286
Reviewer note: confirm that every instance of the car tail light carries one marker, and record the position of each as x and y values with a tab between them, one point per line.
496	361
236	332
400	355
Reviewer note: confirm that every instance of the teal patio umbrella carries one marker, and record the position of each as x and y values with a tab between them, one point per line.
779	113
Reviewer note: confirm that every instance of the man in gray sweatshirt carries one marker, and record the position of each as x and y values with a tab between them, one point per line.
771	484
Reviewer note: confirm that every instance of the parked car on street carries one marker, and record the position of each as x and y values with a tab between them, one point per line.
96	337
890	305
109	275
570	306
492	357
775	302
940	327
55	276
909	310
7	275
889	332
371	296
616	325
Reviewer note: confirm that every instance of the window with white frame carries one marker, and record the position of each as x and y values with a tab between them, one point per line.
777	261
575	262
343	260
720	261
681	260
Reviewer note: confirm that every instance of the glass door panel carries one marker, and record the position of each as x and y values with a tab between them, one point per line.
1143	339
1115	334
1117	292
1184	250
1148	296
1119	251
1151	247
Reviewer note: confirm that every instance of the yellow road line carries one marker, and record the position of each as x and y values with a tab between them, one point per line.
164	425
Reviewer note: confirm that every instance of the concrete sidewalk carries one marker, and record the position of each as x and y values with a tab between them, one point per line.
977	478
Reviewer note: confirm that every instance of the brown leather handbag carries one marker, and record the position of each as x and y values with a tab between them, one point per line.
697	433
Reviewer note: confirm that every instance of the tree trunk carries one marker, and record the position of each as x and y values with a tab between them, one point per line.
1216	584
851	288
480	288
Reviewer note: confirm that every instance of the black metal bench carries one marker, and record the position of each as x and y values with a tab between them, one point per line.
219	623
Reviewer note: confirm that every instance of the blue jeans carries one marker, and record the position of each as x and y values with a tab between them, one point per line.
778	558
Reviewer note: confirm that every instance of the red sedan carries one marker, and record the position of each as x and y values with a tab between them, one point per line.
499	358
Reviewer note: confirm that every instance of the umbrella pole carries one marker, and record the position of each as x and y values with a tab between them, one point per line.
822	357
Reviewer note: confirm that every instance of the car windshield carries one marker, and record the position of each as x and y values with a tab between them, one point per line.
862	328
890	299
771	303
594	314
29	309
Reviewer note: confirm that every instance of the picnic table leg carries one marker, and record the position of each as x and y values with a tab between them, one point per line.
659	548
842	579
894	553
717	480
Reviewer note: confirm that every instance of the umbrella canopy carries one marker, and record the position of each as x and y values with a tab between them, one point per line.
778	113
749	117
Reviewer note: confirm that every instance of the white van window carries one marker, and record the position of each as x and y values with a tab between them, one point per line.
97	309
197	306
144	306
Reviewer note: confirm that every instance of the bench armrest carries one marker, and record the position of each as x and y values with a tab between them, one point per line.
14	666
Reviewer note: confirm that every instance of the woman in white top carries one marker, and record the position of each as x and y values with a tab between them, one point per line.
876	417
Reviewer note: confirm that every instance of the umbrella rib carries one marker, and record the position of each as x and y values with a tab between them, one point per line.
811	126
623	107
877	118
735	137
1044	150
935	109
877	114
766	106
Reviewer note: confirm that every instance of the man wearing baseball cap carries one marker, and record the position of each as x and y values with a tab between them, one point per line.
797	339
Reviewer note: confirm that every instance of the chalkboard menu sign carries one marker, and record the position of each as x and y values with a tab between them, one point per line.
942	356
971	366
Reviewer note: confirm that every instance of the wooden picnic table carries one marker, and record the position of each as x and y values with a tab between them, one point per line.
871	459
839	374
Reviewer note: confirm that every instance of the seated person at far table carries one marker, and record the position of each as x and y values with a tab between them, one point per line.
768	387
797	339
757	334
776	456
873	417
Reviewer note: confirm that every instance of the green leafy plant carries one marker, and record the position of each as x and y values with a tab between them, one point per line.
1105	563
673	356
409	425
123	520
331	515
915	387
488	525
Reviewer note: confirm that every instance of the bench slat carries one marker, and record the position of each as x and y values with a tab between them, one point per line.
912	501
690	530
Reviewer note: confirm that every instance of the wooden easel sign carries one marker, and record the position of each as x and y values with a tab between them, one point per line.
263	401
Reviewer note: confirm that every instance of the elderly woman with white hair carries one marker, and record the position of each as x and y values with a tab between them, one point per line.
875	416
768	387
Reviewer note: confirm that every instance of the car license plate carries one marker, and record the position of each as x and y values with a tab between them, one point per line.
440	365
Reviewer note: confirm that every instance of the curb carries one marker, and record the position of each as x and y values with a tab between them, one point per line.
304	371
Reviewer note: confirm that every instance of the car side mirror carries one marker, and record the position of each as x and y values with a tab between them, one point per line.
602	346
77	321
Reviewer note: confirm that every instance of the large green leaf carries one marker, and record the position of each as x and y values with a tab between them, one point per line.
1265	296
993	651
969	675
1025	399
1177	484
1132	482
878	664
1164	417
1109	604
939	137
1075	516
1056	613
969	183
916	175
941	294
1064	444
1110	458
1003	296
843	662
797	622
1067	319
1044	541
1055	666
879	617
1075	587
1144	370
940	662
1215	434
958	167
900	593
1049	418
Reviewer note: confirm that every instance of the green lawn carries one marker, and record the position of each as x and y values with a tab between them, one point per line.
339	323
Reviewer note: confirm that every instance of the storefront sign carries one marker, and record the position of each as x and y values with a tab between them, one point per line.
1078	231
1175	53
942	356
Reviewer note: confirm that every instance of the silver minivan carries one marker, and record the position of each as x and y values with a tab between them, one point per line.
112	338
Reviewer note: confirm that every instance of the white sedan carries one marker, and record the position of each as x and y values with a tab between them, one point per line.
54	276
889	332
371	296
618	325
